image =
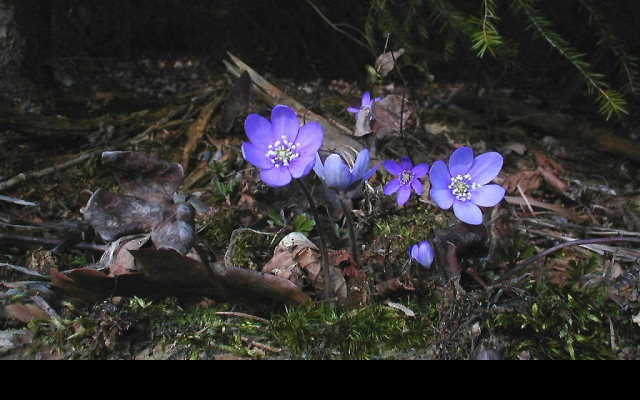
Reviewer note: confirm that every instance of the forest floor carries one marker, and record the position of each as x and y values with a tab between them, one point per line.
568	176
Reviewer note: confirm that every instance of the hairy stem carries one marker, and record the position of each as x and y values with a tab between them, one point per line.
353	239
323	243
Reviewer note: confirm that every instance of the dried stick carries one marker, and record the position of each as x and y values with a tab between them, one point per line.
49	242
552	250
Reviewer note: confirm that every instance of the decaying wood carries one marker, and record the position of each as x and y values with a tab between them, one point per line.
197	130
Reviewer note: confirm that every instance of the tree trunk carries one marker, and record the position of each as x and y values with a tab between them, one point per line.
24	45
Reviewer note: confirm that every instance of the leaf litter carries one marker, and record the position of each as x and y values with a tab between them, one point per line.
157	247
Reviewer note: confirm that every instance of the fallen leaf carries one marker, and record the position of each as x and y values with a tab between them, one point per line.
387	61
24	313
144	176
297	259
114	215
395	284
390	117
237	101
528	181
176	232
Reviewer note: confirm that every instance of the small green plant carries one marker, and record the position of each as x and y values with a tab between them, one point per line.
300	223
223	191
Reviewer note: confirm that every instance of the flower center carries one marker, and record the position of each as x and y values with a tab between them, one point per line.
406	177
461	187
282	152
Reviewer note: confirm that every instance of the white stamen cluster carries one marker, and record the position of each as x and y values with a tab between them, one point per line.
282	152
406	177
461	187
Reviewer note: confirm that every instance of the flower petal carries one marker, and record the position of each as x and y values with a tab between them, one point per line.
319	168
460	161
443	198
425	254
467	212
413	252
298	167
353	110
284	122
361	165
486	167
488	195
420	170
392	187
370	173
276	177
393	167
403	194
336	172
259	132
310	138
417	186
366	99
256	156
406	164
440	177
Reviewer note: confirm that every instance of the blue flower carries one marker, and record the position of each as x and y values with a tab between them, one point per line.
408	178
281	148
423	253
338	176
367	102
463	184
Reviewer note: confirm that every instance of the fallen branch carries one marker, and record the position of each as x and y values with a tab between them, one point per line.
49	242
17	201
22	177
25	271
559	247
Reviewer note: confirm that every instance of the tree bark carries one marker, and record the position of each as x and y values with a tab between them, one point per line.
24	45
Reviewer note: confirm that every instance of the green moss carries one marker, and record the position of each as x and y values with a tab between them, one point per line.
220	227
396	233
323	332
561	323
141	327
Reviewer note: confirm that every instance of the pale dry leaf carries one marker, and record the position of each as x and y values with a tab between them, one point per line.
386	62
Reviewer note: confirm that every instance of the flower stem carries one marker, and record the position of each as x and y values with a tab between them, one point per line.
323	243
352	233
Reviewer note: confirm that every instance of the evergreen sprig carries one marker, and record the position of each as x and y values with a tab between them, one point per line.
610	101
488	37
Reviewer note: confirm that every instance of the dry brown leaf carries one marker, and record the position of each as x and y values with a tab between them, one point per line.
387	61
143	176
24	313
297	257
528	181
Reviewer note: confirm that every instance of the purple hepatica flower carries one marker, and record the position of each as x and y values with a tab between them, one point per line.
281	148
408	178
366	105
463	184
338	176
423	253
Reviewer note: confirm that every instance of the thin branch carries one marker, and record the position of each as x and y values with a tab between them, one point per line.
559	247
49	242
337	28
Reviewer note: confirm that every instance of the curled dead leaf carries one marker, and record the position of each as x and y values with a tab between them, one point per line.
387	61
298	260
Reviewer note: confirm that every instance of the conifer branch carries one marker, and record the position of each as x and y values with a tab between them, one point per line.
609	100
